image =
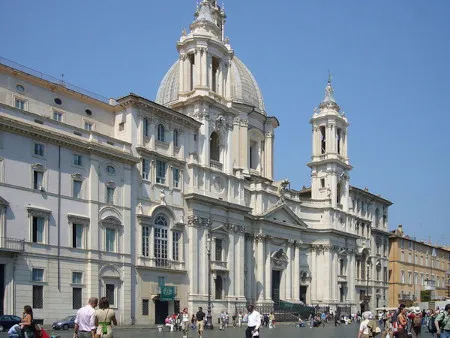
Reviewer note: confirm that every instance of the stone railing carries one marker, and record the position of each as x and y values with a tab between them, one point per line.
215	165
219	265
12	244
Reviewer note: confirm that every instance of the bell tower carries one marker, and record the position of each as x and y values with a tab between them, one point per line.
329	161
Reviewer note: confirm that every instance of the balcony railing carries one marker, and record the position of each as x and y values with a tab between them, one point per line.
219	266
215	164
166	264
342	278
12	244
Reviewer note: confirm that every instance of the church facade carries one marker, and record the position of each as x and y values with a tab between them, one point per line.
153	203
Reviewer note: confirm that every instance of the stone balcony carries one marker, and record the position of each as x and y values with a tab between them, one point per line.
160	263
12	244
219	266
216	165
342	279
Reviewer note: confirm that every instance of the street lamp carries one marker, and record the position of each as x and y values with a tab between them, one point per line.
209	324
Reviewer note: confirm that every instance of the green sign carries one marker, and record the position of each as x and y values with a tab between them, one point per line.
167	293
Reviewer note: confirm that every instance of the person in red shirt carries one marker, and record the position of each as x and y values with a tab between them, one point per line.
416	321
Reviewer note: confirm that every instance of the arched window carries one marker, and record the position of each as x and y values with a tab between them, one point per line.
161	241
214	148
338	193
175	138
161	133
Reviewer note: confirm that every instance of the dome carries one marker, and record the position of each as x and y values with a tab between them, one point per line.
244	88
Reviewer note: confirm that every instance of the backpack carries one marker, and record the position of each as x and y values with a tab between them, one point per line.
431	325
417	321
374	329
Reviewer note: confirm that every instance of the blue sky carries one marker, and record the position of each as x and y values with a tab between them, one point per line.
389	60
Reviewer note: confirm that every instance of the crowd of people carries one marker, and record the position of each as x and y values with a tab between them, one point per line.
89	322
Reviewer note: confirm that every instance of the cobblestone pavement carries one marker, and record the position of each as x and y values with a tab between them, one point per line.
283	330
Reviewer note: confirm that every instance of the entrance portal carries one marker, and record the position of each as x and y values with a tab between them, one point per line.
276	279
161	311
303	291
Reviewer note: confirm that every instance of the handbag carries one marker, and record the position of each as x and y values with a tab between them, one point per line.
102	328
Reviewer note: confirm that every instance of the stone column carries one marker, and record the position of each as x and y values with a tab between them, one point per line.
296	263
232	264
260	269
229	158
249	266
314	277
268	272
244	144
204	134
152	133
269	144
289	268
181	62
228	80
193	254
197	68
205	67
238	266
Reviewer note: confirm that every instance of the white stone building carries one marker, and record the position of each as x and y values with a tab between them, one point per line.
124	197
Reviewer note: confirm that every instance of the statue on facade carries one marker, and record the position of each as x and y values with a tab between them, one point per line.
162	197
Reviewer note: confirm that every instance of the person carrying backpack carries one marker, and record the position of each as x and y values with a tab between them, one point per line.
431	323
442	322
416	321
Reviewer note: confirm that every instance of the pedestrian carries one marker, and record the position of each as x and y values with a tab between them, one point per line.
442	322
416	322
364	327
85	320
240	319
193	321
254	322
185	322
222	320
200	316
233	318
104	317
311	320
402	323
26	324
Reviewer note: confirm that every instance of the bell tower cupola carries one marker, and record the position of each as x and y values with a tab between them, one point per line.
329	161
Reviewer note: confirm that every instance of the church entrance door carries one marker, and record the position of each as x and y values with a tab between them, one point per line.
276	279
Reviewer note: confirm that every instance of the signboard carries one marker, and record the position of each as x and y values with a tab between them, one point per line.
167	293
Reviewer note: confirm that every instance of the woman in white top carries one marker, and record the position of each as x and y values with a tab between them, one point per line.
185	321
363	327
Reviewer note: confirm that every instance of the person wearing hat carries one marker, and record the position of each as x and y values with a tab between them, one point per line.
364	327
416	321
442	322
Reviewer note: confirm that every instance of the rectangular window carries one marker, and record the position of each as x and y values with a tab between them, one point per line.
402	256
77	160
77	236
57	116
322	183
20	104
37	179
88	126
110	195
110	294
160	172
402	275
410	245
402	244
38	275
176	177
409	278
145	241
38	229
39	149
76	193
77	278
145	127
416	277
38	296
110	242
175	245
218	256
145	168
145	307
77	298
409	258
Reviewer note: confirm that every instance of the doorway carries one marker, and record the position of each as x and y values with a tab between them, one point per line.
2	287
161	311
276	279
303	291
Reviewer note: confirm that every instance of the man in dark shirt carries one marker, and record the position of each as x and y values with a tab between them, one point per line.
200	315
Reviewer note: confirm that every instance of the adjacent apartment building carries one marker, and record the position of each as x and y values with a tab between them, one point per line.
418	271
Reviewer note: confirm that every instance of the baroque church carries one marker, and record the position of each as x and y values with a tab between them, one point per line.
157	205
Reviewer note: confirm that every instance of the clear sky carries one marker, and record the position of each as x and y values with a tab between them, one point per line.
390	62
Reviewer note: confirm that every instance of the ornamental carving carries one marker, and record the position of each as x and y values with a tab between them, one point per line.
38	167
236	121
204	222
77	177
279	259
243	123
235	228
218	184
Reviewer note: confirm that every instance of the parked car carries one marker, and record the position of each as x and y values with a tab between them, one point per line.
6	321
64	324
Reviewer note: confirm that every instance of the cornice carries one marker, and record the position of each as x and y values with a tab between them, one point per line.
36	131
210	200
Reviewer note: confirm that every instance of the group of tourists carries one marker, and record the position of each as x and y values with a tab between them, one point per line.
406	322
92	323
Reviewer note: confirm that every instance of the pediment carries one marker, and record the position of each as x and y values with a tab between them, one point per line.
284	215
